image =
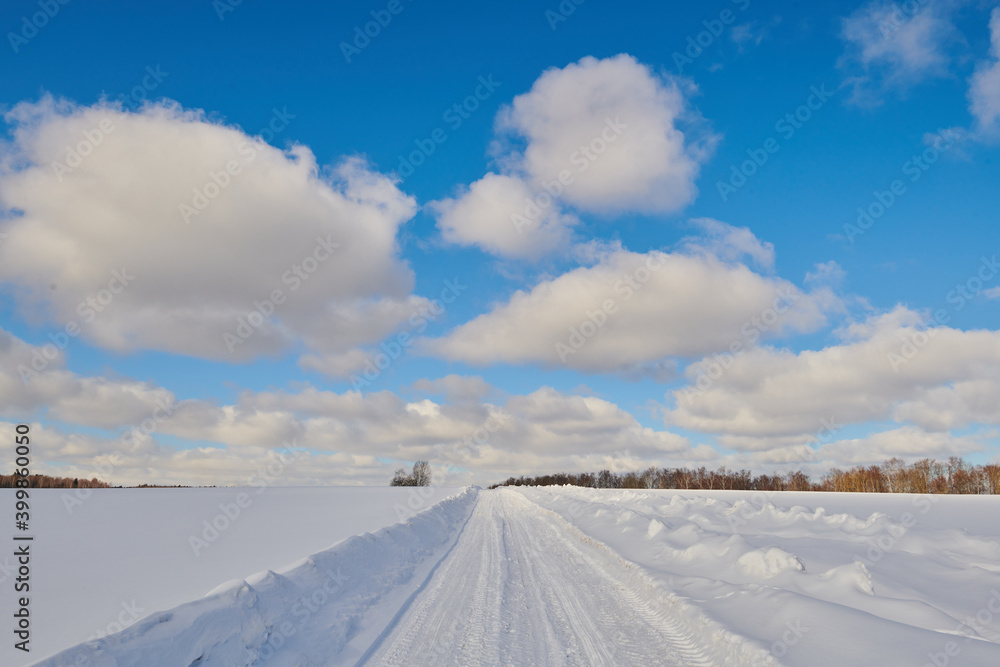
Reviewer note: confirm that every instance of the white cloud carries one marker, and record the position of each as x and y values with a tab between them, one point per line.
984	86
337	364
469	433
476	434
631	310
907	442
893	45
457	388
753	33
500	215
325	237
910	443
90	401
826	273
597	136
943	379
729	243
618	102
992	293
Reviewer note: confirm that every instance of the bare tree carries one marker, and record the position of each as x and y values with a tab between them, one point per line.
400	478
421	475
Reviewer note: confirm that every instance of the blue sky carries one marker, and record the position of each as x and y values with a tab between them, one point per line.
184	86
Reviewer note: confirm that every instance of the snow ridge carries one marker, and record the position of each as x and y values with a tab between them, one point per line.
310	612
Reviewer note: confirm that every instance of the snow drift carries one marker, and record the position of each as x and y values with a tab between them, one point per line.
307	613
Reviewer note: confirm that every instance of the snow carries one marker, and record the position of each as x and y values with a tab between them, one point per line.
815	579
556	575
124	553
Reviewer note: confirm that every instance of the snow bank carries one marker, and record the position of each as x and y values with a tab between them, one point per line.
105	558
812	579
305	613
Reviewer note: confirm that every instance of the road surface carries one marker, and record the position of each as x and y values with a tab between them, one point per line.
519	588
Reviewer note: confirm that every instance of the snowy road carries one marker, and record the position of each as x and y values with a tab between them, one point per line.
574	576
519	587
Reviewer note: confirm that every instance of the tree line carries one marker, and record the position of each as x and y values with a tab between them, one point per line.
49	482
893	476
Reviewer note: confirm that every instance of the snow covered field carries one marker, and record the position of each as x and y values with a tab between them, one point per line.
124	553
815	579
529	576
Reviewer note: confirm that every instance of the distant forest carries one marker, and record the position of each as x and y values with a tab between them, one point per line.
48	482
893	476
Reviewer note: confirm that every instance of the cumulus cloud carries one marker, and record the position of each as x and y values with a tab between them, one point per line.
498	214
910	443
160	229
892	45
457	388
336	364
631	310
729	243
984	86
86	457
887	368
475	432
33	379
646	164
906	442
597	136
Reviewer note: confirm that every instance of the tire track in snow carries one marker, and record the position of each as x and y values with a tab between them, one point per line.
518	589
